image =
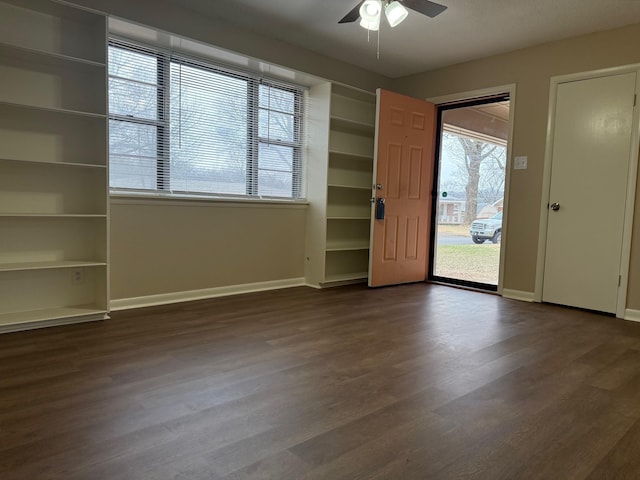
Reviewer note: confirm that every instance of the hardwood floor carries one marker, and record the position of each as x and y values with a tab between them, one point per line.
412	382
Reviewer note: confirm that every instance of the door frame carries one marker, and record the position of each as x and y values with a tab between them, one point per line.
631	180
509	89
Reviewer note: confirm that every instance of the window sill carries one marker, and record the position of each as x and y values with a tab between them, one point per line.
116	198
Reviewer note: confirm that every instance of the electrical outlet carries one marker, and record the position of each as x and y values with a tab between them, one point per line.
77	276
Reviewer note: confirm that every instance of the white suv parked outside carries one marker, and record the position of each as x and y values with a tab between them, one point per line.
487	229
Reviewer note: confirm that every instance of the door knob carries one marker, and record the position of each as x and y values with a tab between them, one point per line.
378	186
555	207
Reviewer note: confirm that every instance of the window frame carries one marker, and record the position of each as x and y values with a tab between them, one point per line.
162	123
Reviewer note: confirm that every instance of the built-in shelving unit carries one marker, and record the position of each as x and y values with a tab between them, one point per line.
341	165
53	165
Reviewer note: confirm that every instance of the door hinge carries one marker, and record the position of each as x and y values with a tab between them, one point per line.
619	280
635	99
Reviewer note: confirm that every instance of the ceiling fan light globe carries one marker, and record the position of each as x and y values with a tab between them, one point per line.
373	26
395	13
370	10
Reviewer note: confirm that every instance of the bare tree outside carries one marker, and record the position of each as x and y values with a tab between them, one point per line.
478	170
208	131
133	94
208	126
277	132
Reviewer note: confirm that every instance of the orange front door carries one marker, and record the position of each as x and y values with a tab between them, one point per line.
403	174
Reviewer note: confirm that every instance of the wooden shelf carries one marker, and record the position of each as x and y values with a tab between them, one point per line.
348	236
346	246
15	267
354	187
55	9
52	215
343	265
351	142
352	126
48	135
356	110
345	277
54	199
44	58
356	174
62	111
352	93
52	26
45	163
54	81
26	189
349	202
11	322
342	146
47	245
351	155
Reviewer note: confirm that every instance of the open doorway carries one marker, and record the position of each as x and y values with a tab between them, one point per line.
469	182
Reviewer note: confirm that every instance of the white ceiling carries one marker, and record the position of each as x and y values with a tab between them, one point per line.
468	29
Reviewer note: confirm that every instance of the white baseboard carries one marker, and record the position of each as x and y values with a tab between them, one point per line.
56	322
519	295
633	315
176	297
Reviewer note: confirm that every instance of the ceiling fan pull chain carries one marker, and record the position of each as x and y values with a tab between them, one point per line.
378	53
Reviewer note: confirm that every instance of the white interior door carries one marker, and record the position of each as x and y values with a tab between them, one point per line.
590	164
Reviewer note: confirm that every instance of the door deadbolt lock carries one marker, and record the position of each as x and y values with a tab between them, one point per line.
380	209
378	186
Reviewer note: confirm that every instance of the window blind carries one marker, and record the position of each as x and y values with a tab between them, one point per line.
184	125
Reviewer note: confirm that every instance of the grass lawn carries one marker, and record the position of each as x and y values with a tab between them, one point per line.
453	230
475	263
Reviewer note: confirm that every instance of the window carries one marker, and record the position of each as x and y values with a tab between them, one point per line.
181	125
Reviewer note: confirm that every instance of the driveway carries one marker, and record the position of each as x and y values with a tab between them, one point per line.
452	239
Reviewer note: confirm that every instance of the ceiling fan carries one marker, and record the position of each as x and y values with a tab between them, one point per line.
370	11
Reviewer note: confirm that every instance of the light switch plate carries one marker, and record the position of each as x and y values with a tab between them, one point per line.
520	163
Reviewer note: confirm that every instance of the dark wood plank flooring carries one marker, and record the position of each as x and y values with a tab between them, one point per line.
412	382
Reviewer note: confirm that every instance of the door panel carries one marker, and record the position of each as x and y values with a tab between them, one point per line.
391	238
415	173
404	165
394	165
590	164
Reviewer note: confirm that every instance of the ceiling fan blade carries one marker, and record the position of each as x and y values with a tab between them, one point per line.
353	15
430	9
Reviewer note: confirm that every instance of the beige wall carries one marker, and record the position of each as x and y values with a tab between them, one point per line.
162	247
531	69
170	18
